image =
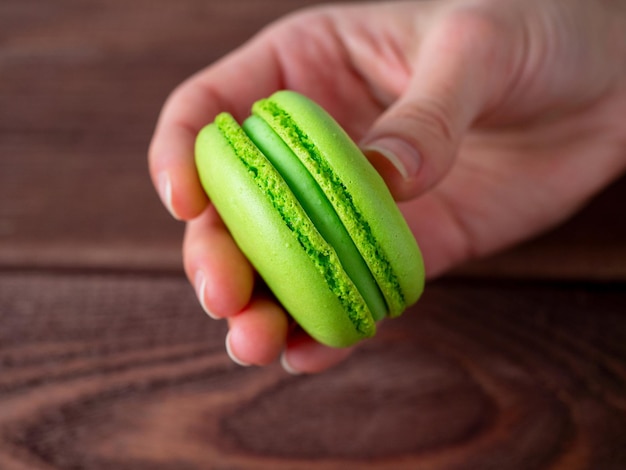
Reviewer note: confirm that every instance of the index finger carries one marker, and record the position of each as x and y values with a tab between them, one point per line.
232	84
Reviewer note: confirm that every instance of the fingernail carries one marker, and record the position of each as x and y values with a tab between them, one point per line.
402	156
200	285
165	191
285	363
232	356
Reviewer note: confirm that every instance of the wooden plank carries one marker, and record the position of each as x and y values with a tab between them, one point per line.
121	371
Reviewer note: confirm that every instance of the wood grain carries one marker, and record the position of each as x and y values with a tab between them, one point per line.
122	371
106	361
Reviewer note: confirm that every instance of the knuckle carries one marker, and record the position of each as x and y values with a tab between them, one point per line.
473	25
430	116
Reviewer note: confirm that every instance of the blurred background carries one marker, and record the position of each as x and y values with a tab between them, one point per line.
81	87
106	361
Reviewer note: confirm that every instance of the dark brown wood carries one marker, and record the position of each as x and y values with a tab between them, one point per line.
106	361
121	371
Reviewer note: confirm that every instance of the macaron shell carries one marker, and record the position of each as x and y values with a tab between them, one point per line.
367	191
263	236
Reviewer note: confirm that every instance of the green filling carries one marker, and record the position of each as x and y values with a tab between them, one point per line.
318	208
326	261
339	197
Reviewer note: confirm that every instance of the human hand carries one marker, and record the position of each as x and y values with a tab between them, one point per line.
492	119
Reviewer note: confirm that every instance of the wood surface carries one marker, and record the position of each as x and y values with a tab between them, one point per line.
106	361
123	371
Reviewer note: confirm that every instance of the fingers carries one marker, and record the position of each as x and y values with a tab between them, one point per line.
304	355
257	335
258	327
220	273
460	70
232	85
224	283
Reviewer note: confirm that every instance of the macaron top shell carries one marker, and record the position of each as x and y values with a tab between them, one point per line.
279	239
356	190
319	210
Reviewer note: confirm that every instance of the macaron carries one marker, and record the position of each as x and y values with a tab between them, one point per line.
312	216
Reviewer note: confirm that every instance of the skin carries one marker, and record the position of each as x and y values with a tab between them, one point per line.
491	120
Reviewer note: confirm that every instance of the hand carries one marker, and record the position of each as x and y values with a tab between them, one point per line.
492	120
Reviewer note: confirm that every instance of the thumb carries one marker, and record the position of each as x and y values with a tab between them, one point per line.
414	143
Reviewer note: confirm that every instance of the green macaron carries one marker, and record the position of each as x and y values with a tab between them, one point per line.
312	215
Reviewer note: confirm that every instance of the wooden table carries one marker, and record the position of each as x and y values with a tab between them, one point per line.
106	361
